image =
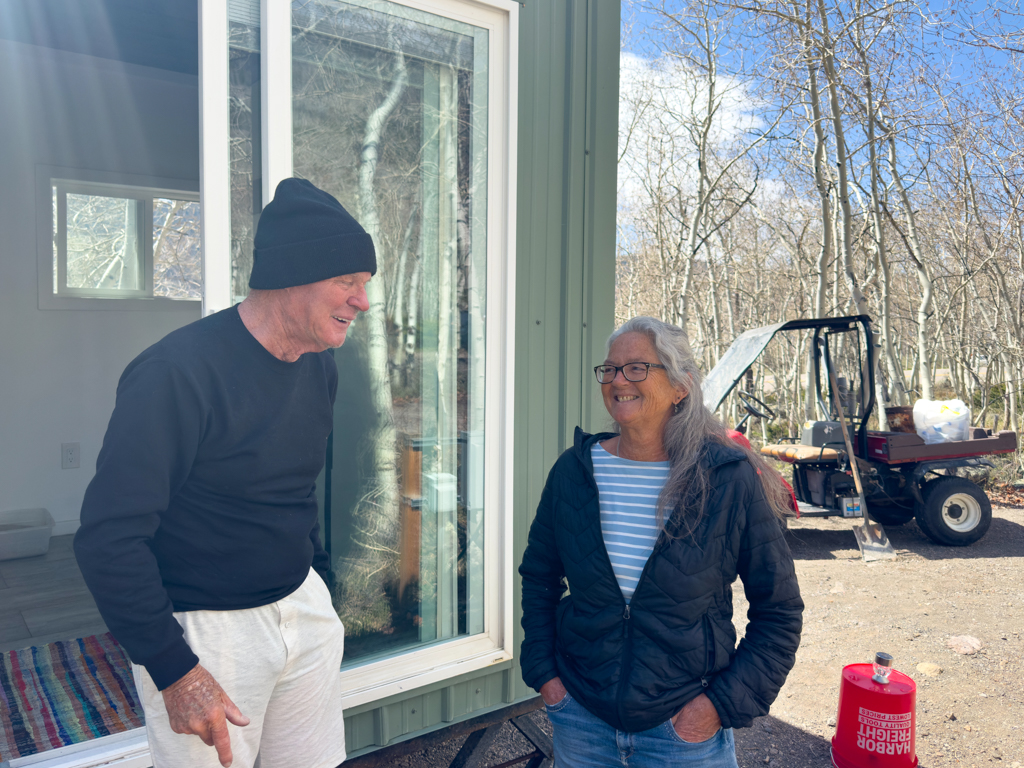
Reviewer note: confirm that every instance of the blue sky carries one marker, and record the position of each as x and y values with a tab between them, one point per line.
964	59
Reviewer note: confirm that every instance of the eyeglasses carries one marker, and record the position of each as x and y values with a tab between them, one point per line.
630	371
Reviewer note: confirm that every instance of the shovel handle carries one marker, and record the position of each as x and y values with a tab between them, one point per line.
846	435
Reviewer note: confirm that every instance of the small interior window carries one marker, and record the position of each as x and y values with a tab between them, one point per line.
119	242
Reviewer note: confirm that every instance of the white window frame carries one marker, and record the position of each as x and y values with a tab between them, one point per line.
404	671
78	181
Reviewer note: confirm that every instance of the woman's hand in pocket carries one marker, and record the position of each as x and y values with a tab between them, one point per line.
697	721
553	691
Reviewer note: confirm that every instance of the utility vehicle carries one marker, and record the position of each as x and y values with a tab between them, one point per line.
903	478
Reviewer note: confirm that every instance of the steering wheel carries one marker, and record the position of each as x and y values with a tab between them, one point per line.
746	398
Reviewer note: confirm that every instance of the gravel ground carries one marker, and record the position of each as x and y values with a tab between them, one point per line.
968	714
970	707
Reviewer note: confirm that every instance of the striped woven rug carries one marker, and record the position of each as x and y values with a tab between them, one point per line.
64	693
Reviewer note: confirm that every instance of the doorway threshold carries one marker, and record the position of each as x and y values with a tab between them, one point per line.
120	750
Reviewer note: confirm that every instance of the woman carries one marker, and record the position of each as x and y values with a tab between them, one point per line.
638	663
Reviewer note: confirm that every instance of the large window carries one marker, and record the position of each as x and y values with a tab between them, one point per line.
404	112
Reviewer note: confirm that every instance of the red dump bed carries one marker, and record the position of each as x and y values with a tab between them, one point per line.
901	447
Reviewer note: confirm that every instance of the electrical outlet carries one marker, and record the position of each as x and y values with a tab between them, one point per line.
70	455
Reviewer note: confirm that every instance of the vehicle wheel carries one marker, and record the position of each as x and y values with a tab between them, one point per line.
956	512
890	515
919	516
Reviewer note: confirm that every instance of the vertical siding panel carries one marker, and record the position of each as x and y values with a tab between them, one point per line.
433	708
602	144
568	96
535	71
573	223
412	715
460	699
359	731
554	91
381	729
448	704
478	694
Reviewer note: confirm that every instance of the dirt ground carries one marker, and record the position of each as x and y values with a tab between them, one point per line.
969	714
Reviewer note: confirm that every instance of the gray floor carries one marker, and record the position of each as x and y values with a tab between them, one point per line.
44	599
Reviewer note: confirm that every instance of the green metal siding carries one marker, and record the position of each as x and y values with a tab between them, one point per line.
565	273
382	722
568	138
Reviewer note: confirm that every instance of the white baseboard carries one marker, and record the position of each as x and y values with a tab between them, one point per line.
65	527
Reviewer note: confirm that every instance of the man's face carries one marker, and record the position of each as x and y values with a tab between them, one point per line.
325	310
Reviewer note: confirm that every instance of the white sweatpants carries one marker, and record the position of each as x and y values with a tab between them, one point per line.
280	664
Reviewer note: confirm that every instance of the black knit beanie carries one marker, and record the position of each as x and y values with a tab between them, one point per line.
305	236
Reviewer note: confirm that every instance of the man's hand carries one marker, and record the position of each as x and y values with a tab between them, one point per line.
197	705
697	721
553	691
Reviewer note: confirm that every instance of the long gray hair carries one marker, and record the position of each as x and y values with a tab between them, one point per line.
691	428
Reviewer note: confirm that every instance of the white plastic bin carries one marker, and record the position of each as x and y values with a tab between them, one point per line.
25	533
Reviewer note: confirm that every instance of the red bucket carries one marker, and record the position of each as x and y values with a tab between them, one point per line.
875	725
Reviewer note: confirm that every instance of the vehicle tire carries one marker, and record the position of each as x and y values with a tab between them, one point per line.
890	514
919	516
956	512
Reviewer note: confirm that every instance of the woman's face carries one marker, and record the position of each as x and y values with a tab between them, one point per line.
639	404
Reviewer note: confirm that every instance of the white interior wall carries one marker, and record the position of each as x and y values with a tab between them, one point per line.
59	368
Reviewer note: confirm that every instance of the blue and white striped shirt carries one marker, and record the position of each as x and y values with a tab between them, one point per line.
627	492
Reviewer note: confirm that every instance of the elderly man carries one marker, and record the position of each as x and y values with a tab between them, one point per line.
199	536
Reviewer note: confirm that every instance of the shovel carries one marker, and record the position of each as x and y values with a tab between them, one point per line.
871	538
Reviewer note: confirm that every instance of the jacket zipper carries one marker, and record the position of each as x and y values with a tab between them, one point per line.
709	650
627	650
627	646
627	658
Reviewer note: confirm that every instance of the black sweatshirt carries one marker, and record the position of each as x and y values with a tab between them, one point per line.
205	490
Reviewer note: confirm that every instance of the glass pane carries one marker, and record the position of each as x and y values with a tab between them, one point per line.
56	250
103	248
177	254
389	115
244	116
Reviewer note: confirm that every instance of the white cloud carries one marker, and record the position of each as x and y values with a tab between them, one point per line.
661	104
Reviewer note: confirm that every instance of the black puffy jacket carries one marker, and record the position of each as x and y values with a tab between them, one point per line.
635	666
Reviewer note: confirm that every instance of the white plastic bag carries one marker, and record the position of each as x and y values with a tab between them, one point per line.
941	421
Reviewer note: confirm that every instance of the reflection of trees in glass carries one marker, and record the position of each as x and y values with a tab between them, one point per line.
381	119
244	148
177	256
106	245
102	243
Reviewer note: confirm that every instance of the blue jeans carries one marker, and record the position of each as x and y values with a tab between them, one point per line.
585	741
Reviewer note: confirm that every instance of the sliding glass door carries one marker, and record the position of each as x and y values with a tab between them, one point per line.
389	110
403	112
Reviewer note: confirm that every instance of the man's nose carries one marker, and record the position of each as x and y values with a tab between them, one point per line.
360	300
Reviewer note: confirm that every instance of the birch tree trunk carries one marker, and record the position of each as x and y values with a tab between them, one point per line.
898	386
412	322
821	185
375	519
398	299
842	160
924	279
